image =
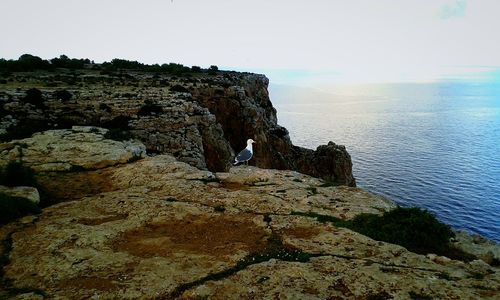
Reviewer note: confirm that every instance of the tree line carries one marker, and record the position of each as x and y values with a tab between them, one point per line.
28	63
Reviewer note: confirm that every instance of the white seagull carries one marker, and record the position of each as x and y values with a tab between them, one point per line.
246	154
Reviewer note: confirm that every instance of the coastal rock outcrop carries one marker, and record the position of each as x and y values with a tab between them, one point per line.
78	148
163	229
201	119
486	250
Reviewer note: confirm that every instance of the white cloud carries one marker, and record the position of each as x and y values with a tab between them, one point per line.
353	40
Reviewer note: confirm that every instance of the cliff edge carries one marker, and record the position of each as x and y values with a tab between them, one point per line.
200	118
151	227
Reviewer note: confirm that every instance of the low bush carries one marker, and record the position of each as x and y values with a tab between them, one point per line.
150	109
105	107
63	95
213	70
179	88
35	97
329	181
24	129
413	228
118	134
12	208
16	174
119	122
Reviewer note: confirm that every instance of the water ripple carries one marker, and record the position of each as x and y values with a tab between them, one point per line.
439	152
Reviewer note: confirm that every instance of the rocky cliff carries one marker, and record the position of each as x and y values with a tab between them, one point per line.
152	227
201	119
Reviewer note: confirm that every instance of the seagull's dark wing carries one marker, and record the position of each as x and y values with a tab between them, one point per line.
244	155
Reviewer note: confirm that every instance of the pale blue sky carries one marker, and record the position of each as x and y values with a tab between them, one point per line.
295	42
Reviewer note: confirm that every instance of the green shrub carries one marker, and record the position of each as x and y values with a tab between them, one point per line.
379	296
15	174
329	181
3	112
12	208
313	190
118	134
213	70
119	122
150	109
34	96
413	228
64	61
63	95
25	128
179	88
26	62
105	107
419	296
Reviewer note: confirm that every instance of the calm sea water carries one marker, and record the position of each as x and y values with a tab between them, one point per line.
434	146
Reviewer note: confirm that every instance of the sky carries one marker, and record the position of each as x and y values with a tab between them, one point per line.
293	42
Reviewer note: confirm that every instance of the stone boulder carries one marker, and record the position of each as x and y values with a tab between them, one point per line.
329	159
486	250
26	192
79	148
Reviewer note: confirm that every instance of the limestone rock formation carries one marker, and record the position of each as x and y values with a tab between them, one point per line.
202	119
162	229
78	157
80	148
485	249
327	159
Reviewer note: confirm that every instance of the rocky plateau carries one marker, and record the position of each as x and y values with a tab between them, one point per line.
129	225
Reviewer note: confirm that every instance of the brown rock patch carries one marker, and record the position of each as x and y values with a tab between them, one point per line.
82	184
89	283
210	235
99	221
234	186
302	232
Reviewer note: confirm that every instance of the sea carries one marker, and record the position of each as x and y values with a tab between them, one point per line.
430	145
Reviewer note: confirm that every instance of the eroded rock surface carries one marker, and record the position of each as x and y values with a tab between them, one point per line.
202	119
166	230
79	148
485	249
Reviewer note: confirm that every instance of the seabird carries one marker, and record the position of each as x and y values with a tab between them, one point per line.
246	154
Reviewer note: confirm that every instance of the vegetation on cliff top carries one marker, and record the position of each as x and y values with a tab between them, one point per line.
28	63
413	228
